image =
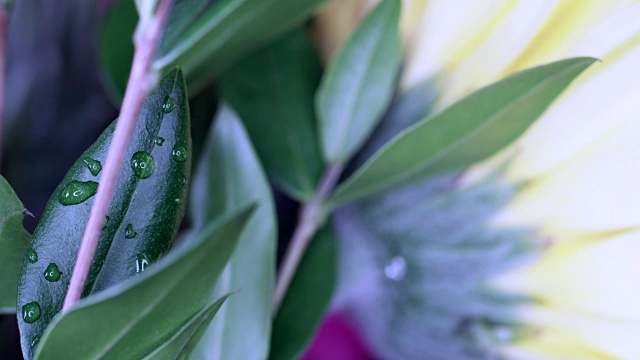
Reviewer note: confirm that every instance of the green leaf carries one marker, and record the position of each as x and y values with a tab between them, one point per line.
228	175
143	217
468	131
272	92
359	83
14	240
133	319
307	299
227	31
182	344
116	47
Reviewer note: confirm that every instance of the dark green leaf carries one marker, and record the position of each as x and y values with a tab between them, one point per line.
182	344
227	31
307	299
468	131
116	46
359	83
228	175
134	318
143	217
272	92
14	240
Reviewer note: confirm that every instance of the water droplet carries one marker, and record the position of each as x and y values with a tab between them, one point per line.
143	164
129	233
183	180
106	220
94	166
52	273
179	153
31	312
32	256
142	262
168	105
35	341
503	334
178	201
77	192
396	268
159	141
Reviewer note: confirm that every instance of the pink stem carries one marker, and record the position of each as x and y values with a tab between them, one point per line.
141	81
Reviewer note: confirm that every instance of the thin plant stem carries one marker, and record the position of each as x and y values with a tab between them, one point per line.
4	30
312	217
141	81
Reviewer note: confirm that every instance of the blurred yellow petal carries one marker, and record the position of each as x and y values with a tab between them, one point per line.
499	50
567	28
550	345
598	277
447	33
608	337
596	190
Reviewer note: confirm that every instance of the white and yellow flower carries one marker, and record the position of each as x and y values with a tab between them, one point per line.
578	166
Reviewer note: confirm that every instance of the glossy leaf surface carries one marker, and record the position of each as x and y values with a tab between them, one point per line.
359	83
468	131
229	175
133	319
14	240
307	299
143	218
226	31
272	92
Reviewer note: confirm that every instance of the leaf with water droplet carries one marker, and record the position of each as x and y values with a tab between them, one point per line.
151	308
94	166
129	233
179	153
52	273
14	240
31	312
143	164
159	141
77	192
144	197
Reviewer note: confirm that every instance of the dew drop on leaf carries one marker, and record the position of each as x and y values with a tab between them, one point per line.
94	166
142	262
52	273
178	201
168	105
31	312
129	233
77	192
396	268
32	256
159	141
143	164
179	153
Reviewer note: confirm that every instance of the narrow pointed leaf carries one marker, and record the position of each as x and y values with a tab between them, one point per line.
227	31
359	83
273	92
307	299
228	175
133	319
143	217
468	131
14	240
182	344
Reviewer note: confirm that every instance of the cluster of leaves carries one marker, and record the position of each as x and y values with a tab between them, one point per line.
285	119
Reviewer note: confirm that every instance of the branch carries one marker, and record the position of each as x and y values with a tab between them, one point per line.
141	81
311	217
